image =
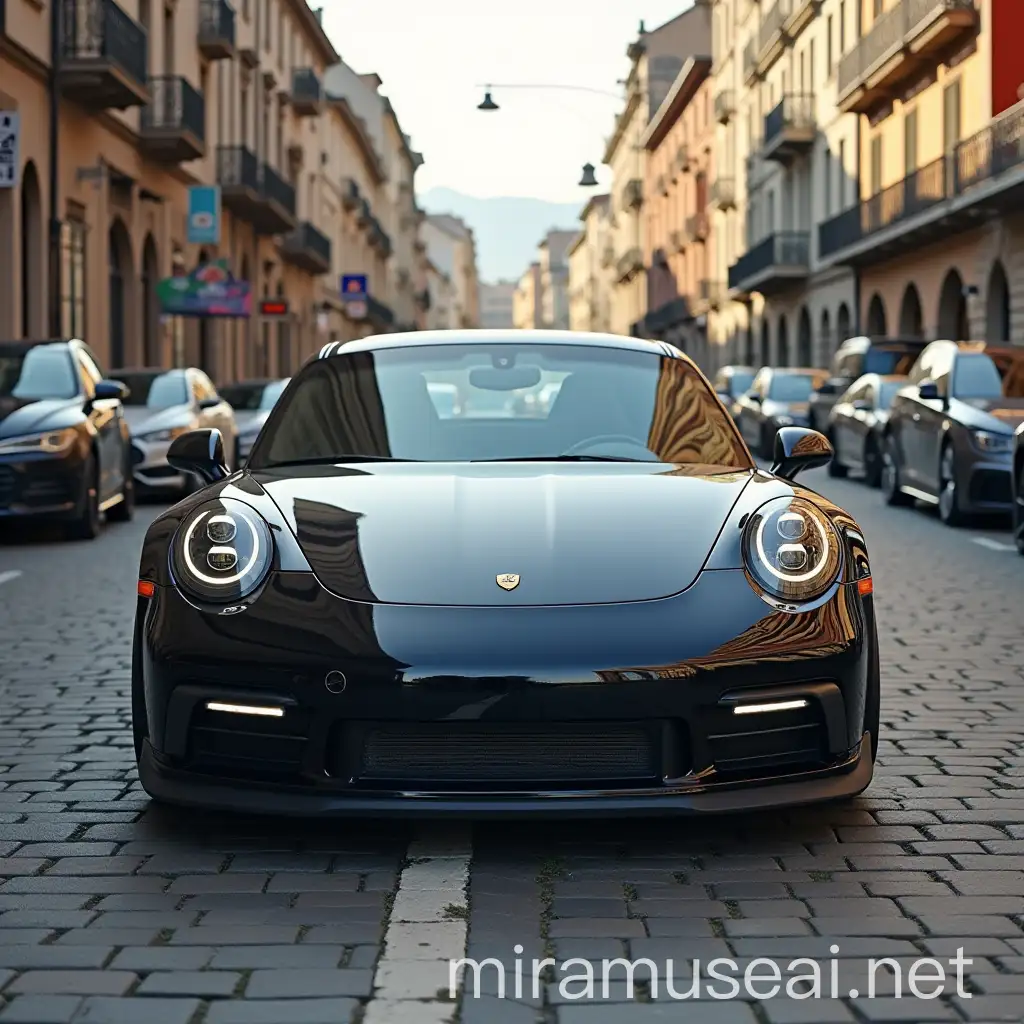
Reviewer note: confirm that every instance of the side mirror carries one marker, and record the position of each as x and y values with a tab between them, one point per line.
797	449
827	387
209	403
106	390
929	391
200	452
756	398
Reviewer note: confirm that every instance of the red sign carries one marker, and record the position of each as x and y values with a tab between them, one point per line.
273	307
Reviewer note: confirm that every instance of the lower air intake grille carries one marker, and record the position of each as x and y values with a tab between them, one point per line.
771	741
451	753
247	745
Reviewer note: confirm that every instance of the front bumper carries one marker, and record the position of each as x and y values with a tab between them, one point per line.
498	712
150	468
40	485
986	484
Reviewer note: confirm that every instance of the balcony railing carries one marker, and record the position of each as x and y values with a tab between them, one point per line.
633	194
723	193
789	128
173	123
104	55
725	105
306	92
899	44
278	191
238	170
216	29
350	194
777	261
308	248
379	313
255	192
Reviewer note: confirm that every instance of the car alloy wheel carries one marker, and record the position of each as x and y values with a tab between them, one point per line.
87	525
891	475
873	462
123	511
949	499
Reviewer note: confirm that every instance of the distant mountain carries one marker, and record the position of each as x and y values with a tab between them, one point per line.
507	228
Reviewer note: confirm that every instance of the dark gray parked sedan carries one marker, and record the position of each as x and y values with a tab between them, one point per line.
949	439
857	423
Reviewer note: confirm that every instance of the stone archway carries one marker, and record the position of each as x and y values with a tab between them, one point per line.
765	354
32	255
783	342
911	317
952	321
148	281
842	324
119	274
997	305
876	317
826	336
804	340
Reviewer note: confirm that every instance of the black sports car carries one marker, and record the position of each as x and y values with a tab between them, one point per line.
604	609
65	449
1018	488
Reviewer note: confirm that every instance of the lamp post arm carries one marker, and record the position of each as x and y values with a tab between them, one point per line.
535	85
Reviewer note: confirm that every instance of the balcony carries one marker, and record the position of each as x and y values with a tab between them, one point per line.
789	129
307	248
254	193
633	195
904	43
380	315
697	226
983	178
723	194
216	29
629	265
103	56
774	265
771	39
306	93
350	194
173	124
725	105
799	14
750	71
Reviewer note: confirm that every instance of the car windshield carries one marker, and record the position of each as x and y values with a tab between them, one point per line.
887	391
887	361
792	387
253	397
514	402
44	371
980	375
154	390
739	383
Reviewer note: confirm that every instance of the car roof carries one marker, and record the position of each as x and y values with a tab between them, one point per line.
156	371
804	370
865	342
504	336
736	368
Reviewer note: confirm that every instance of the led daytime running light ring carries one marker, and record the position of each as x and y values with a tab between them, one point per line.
789	577
219	581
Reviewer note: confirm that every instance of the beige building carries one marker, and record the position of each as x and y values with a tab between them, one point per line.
442	313
936	231
591	269
527	305
496	302
452	249
655	59
552	255
156	99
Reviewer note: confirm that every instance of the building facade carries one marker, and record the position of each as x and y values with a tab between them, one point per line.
935	231
655	60
496	304
156	99
452	249
552	255
442	311
794	155
591	259
527	307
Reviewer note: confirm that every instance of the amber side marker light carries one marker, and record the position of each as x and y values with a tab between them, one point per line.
146	589
865	586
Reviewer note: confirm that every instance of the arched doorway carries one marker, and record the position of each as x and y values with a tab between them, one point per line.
119	256
953	308
911	319
765	354
804	344
783	349
826	336
284	341
997	305
31	254
150	308
876	317
842	324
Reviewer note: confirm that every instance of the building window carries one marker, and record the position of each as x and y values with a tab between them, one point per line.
842	27
72	247
876	165
841	171
910	141
266	25
951	116
828	46
827	175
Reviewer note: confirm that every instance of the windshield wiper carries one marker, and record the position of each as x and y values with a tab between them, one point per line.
333	460
565	458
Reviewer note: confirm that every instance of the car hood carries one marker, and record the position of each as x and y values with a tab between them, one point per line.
249	421
1001	415
142	419
19	416
440	534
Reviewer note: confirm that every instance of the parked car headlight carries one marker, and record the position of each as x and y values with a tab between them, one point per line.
52	441
222	551
989	442
163	435
791	550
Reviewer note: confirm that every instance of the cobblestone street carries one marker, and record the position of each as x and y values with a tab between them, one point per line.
113	912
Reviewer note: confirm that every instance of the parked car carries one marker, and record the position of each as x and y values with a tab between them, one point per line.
252	401
731	382
163	405
857	423
64	443
1018	488
777	398
949	439
854	358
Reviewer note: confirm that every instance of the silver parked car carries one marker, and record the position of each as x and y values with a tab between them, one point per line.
163	405
252	401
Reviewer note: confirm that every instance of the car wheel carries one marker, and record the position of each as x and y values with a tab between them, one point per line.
891	476
835	467
123	511
872	462
949	496
1018	513
88	524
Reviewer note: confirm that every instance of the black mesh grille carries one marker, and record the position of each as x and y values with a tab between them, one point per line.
989	486
246	745
780	740
137	455
455	752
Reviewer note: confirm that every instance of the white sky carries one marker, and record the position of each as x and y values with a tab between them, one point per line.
432	55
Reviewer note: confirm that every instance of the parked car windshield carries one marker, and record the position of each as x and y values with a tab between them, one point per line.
154	390
739	383
978	375
514	402
792	387
43	371
889	361
888	390
253	397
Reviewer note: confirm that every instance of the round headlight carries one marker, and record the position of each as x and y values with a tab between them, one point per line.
792	550
222	552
